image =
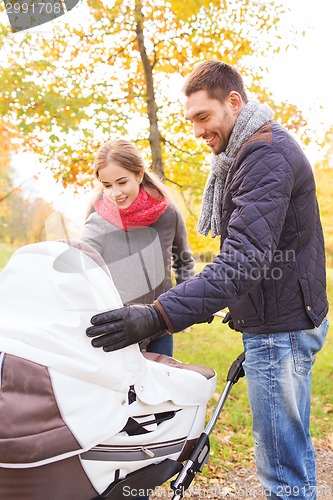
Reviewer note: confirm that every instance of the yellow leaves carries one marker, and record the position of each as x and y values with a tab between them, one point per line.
10	138
83	84
187	9
323	172
328	409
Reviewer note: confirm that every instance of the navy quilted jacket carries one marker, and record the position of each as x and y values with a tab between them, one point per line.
271	268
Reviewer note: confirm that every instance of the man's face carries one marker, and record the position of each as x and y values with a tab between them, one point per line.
213	120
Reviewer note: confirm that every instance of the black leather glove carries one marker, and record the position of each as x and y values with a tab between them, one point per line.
129	325
228	319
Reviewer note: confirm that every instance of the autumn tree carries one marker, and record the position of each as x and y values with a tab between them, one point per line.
24	221
9	193
36	214
323	171
21	221
6	148
119	73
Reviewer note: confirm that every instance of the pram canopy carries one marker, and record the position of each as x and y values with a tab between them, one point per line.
64	398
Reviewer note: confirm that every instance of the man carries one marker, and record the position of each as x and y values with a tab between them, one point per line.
260	198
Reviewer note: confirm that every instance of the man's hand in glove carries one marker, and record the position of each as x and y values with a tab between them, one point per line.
228	319
129	325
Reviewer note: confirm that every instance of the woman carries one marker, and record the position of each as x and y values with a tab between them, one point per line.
138	231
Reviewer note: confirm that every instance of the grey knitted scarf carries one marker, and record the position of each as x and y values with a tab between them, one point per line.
253	116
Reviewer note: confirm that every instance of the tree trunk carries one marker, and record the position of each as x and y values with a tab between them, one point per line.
154	134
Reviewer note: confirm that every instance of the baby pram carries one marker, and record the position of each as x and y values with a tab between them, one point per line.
77	423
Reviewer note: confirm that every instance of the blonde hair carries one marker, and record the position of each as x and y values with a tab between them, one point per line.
126	155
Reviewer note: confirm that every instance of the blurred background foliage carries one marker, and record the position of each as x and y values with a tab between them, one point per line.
118	73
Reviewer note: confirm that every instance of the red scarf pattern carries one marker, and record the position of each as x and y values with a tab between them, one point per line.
144	211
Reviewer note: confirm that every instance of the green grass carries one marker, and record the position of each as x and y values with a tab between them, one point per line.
6	250
322	400
217	346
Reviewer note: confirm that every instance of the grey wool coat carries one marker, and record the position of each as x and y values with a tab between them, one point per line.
141	260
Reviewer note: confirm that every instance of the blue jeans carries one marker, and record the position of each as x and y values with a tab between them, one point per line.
278	369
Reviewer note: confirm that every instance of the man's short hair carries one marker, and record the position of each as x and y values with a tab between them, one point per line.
218	79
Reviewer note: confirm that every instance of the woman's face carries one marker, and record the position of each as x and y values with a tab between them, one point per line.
121	186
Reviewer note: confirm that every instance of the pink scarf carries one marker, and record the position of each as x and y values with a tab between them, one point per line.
144	211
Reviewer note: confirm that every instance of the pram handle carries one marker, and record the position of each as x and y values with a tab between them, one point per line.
236	370
200	453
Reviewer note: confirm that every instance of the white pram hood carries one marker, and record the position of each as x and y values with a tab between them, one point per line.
48	293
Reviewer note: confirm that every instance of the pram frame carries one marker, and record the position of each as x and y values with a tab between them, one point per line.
156	474
200	453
